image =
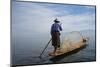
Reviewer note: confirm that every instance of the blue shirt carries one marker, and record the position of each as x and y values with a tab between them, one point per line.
56	27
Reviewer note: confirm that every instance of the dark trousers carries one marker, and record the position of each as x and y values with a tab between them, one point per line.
55	39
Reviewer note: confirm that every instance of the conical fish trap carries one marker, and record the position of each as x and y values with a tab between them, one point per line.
71	41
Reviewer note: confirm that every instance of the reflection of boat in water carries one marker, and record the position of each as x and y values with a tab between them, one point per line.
71	43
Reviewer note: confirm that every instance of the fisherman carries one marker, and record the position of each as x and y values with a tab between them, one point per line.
55	34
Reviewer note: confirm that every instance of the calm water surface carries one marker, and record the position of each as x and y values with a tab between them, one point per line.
26	49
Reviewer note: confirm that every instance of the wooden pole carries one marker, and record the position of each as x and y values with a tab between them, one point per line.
45	48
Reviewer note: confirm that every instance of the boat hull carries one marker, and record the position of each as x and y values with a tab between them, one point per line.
68	49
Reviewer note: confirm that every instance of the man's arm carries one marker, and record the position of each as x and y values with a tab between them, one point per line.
60	27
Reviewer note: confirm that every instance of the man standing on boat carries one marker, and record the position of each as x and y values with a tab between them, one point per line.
55	34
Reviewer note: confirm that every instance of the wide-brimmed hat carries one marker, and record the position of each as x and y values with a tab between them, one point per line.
56	20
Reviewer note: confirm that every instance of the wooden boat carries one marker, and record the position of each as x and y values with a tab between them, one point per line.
68	46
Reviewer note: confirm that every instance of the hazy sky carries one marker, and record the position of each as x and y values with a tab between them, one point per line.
30	17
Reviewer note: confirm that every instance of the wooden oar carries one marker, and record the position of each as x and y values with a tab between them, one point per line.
45	48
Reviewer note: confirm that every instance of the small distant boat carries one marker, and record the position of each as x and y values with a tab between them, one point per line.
68	46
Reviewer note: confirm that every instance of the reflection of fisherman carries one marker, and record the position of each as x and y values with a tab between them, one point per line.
55	33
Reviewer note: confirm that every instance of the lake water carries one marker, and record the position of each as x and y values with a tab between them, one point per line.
26	49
